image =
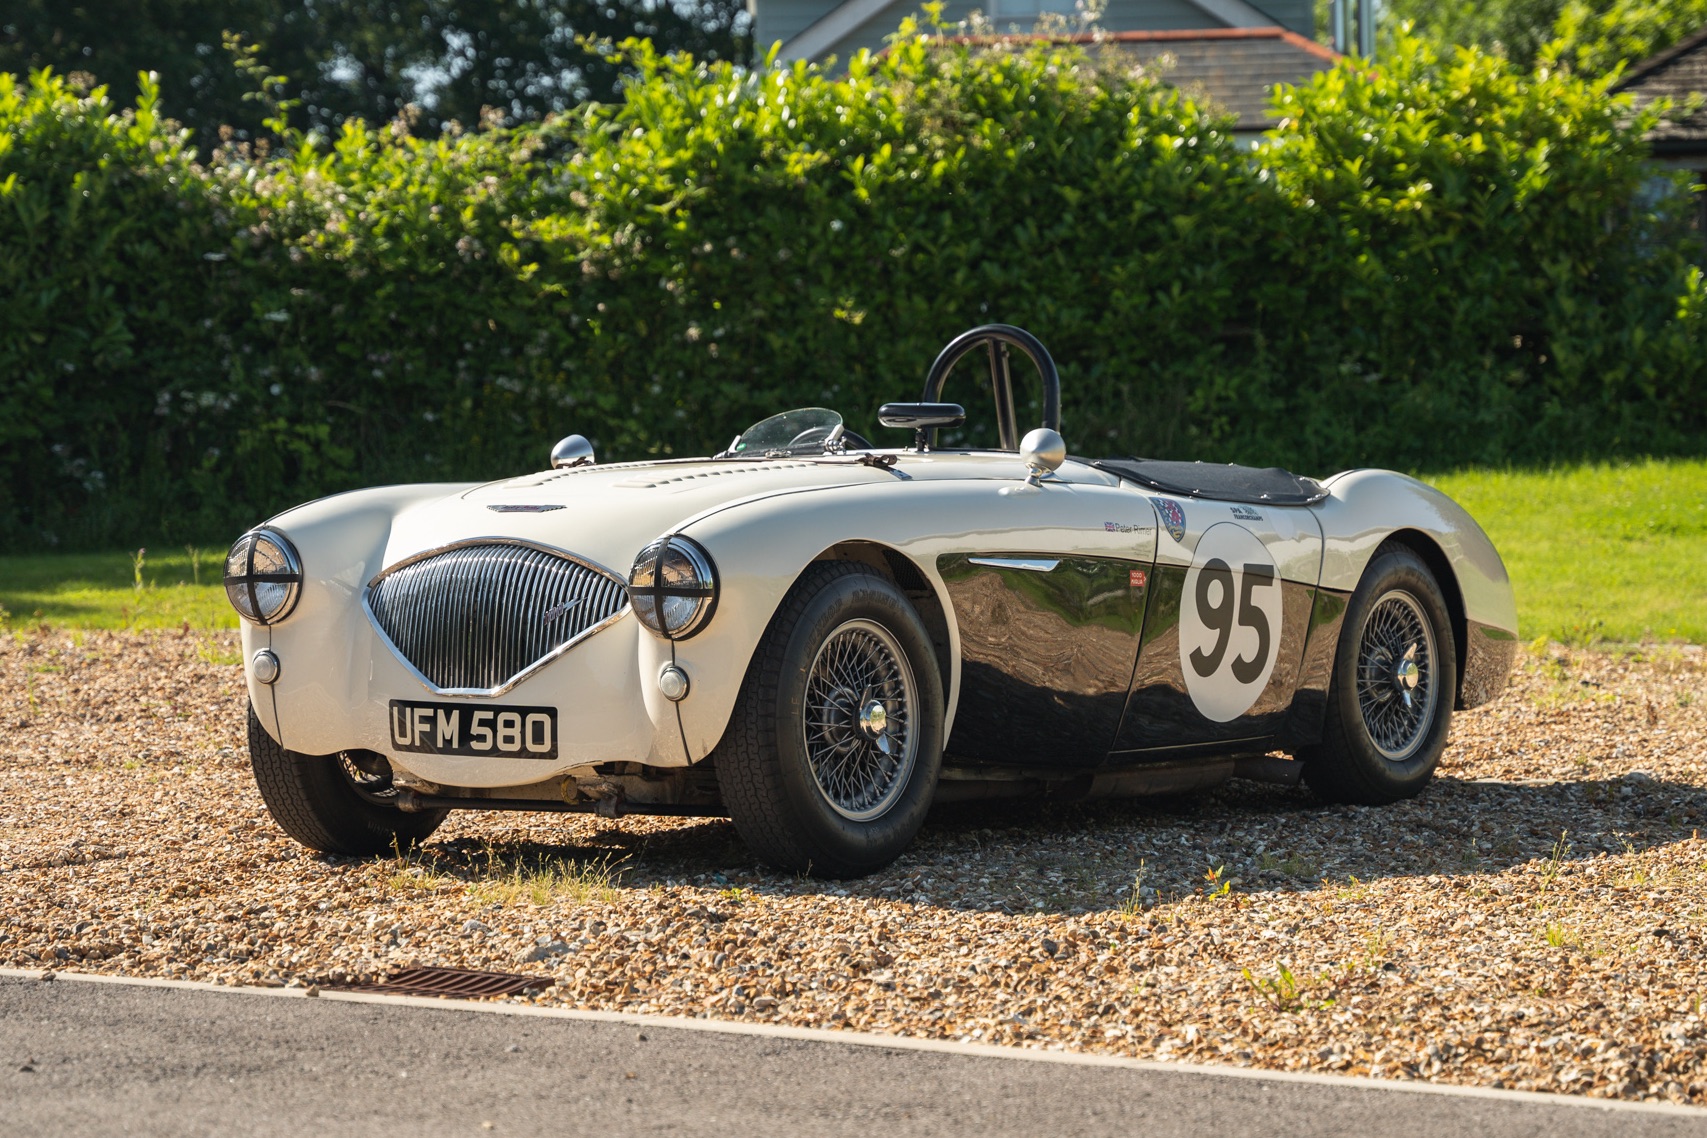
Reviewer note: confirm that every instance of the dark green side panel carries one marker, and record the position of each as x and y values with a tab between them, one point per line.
1160	715
1046	657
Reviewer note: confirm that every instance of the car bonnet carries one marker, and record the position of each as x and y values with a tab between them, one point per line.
606	514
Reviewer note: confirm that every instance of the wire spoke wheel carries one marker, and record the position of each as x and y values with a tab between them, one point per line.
858	726
1396	675
369	775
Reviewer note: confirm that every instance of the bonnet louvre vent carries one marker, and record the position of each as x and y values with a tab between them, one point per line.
474	619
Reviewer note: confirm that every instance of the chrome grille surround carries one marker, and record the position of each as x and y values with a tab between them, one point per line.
470	618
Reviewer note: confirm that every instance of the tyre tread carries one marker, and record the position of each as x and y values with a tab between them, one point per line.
748	774
1332	768
759	766
309	800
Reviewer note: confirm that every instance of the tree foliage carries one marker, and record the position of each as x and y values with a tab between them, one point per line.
1443	262
1596	38
1593	37
370	59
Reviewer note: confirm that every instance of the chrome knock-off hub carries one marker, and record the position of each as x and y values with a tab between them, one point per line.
1405	674
874	719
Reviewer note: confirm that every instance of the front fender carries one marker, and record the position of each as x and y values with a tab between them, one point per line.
341	540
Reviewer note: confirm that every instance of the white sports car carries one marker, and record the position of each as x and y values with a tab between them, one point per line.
819	638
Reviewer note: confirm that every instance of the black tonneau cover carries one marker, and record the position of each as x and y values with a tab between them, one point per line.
1268	486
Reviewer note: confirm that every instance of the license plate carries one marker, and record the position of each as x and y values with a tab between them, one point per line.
476	732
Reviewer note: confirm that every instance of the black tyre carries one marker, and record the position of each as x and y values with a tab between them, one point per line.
832	754
1395	676
340	804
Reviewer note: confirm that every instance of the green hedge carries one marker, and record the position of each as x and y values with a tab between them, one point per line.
1438	263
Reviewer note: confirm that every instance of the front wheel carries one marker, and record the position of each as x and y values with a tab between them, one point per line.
1395	674
832	754
339	804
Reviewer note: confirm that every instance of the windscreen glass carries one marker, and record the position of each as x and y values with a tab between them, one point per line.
805	430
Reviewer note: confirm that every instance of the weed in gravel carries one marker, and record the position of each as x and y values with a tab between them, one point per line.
545	881
1132	905
211	651
1374	949
1292	865
1284	991
1550	872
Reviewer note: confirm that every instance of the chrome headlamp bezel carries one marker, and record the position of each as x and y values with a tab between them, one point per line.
673	569
251	589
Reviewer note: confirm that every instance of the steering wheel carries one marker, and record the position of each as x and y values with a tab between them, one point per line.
996	340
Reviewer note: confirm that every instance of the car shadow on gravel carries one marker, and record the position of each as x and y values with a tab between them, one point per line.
1062	857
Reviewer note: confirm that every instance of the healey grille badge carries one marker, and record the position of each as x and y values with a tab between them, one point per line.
556	611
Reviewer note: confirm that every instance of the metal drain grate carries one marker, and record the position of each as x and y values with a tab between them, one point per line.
452	983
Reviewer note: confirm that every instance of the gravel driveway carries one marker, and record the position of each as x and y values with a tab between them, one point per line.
1536	920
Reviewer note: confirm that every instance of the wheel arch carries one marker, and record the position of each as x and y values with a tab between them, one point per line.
1368	507
1433	556
917	587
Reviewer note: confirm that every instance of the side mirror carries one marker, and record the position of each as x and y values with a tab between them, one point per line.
1043	451
576	450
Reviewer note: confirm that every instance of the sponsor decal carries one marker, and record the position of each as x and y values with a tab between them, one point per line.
1246	514
526	509
1230	620
1137	578
1173	517
1120	527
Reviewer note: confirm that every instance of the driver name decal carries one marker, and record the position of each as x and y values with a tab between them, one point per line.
1229	622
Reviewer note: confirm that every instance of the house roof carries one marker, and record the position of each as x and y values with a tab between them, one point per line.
1234	68
846	17
1676	73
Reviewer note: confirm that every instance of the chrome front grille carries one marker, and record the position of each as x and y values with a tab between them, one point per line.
478	616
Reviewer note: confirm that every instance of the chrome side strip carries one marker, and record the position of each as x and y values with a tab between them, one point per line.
1032	564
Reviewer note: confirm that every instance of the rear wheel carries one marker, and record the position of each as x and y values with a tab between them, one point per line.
1390	701
832	754
340	804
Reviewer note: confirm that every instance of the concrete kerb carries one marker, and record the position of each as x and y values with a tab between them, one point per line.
890	1042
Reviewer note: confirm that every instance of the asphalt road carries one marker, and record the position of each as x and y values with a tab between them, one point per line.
86	1058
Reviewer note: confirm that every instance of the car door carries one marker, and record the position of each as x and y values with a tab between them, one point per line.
1227	616
1050	611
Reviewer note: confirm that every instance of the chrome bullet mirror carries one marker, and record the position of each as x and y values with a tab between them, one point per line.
576	450
1043	451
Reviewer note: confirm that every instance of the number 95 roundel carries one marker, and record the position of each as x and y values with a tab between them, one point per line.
1229	622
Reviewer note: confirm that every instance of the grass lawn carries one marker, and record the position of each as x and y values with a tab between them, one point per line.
113	590
1597	553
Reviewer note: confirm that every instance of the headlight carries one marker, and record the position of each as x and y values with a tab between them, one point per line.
673	587
263	576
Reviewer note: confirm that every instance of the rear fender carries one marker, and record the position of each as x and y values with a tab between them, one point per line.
1365	508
